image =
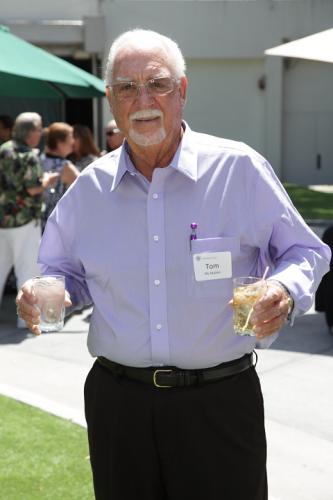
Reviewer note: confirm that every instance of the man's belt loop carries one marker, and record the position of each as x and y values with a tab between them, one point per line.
184	378
200	378
118	371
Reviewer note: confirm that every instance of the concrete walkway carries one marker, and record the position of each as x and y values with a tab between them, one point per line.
296	375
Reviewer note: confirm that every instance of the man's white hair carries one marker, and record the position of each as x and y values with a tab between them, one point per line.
24	124
146	38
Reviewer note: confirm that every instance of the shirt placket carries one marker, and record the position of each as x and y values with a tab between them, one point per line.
157	275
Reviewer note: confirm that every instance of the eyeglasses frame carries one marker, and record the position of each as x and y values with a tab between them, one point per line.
145	85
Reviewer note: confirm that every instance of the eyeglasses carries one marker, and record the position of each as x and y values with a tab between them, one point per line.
154	87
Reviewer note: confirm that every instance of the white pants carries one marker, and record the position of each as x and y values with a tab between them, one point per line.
19	248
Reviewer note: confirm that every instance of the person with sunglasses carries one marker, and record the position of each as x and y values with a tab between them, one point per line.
173	402
113	137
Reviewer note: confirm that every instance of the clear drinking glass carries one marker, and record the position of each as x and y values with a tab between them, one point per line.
50	293
246	292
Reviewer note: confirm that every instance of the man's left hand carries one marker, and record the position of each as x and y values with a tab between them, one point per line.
271	311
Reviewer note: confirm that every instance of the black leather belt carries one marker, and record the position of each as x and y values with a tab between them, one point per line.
175	377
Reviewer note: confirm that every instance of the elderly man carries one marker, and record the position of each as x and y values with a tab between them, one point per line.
21	184
114	137
173	402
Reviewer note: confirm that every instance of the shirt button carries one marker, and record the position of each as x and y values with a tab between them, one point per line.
156	238
157	282
158	326
155	196
132	173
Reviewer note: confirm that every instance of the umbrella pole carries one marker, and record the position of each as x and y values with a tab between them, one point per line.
96	104
63	97
63	110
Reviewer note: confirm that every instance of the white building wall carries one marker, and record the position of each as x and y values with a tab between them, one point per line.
224	99
57	26
308	122
221	28
41	9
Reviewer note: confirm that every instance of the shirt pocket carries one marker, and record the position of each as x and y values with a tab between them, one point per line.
212	289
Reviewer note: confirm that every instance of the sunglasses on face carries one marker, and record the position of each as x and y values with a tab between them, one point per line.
112	132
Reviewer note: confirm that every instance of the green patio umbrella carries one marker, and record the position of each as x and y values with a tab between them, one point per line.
28	71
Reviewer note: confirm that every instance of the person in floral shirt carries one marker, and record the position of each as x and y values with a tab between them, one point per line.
22	183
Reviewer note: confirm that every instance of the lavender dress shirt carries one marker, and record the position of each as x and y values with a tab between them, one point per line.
123	244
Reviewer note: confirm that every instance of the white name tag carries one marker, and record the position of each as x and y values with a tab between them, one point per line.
212	266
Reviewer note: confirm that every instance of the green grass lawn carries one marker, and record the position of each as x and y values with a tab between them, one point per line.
311	204
42	456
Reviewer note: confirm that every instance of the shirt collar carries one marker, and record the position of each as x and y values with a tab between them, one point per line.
122	163
185	160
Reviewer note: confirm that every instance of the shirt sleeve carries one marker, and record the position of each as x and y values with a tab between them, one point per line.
56	255
296	256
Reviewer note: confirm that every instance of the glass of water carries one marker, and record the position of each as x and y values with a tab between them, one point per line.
50	293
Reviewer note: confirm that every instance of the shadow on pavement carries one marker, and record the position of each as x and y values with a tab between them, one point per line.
10	334
309	334
13	337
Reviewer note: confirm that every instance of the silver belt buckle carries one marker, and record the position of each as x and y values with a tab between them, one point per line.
154	378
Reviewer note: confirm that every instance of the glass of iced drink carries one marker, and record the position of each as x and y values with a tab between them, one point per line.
247	291
50	293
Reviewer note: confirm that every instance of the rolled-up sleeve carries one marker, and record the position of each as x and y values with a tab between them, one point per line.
296	256
56	253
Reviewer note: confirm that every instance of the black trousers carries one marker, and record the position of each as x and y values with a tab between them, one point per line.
196	443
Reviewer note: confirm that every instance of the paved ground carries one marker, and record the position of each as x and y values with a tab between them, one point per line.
296	375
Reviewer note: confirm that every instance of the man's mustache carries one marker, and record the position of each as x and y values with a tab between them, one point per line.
145	114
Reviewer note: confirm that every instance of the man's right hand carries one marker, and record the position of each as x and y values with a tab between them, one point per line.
27	309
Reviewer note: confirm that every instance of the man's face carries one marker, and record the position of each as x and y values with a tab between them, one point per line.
114	138
5	133
33	137
146	119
